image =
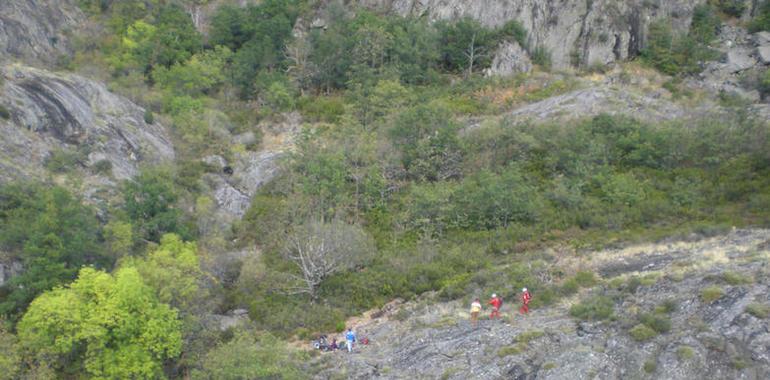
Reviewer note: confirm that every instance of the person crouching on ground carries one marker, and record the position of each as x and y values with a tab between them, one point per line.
475	310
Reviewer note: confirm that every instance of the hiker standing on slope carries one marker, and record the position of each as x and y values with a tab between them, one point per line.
496	303
475	310
350	338
525	298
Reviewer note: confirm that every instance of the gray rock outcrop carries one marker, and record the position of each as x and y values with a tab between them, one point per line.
38	32
575	32
51	112
510	59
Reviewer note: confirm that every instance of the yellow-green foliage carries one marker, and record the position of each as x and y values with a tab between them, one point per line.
711	294
173	270
98	318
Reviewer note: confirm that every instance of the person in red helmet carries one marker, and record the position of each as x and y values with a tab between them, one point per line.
496	303
525	298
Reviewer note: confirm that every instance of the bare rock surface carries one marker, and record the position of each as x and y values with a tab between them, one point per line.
57	112
38	31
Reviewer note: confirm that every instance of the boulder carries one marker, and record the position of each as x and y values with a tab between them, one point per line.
510	59
763	53
737	60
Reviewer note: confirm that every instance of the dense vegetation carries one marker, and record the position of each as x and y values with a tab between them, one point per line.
387	174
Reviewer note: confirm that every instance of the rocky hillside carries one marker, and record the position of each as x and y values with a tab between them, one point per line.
66	122
689	309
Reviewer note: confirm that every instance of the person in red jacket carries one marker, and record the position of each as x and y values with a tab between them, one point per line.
525	298
496	303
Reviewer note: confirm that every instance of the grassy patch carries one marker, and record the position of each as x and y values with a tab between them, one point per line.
449	372
740	363
642	332
759	310
511	350
711	294
650	366
667	307
685	353
595	308
734	278
549	365
529	336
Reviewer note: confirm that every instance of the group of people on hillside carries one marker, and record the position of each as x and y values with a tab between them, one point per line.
347	343
496	303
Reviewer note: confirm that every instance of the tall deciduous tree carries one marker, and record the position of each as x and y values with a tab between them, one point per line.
320	249
108	326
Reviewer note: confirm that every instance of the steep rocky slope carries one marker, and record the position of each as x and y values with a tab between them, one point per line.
718	339
38	32
49	113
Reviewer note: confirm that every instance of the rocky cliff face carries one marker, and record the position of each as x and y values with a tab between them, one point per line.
47	112
37	32
575	32
723	338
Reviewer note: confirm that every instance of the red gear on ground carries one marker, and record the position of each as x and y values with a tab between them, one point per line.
496	302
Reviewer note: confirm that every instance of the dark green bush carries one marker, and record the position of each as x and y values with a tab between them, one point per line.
4	113
103	167
149	118
542	57
62	161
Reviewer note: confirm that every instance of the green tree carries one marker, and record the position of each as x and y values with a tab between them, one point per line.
172	269
427	138
107	326
10	361
466	45
150	203
52	234
201	75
